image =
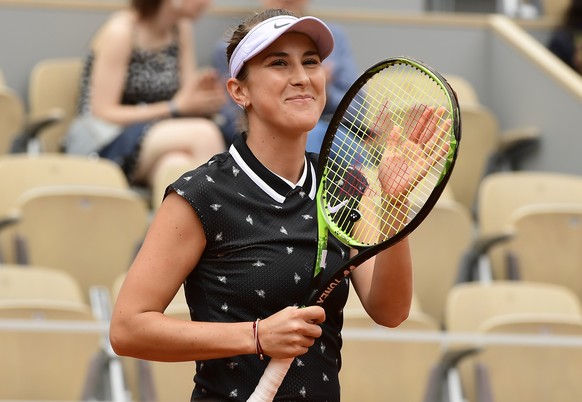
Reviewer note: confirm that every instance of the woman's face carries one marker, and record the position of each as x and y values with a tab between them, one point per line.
286	85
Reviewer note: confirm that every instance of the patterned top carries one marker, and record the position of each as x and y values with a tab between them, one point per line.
152	76
261	236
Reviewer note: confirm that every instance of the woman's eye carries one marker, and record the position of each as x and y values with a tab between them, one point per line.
311	61
278	62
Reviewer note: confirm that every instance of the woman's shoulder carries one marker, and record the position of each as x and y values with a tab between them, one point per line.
118	27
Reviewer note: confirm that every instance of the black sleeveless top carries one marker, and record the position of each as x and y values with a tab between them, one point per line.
261	236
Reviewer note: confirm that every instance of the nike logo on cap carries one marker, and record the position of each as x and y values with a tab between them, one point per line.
280	26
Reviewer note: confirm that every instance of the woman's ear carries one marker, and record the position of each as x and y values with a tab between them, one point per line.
237	91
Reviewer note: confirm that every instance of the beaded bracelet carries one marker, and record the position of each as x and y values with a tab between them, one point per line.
258	347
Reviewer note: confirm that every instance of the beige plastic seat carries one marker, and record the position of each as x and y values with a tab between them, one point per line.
485	148
533	373
51	363
546	246
437	247
91	232
466	92
21	172
470	305
375	369
501	194
54	85
12	117
161	381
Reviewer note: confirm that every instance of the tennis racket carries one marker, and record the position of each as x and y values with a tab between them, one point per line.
385	160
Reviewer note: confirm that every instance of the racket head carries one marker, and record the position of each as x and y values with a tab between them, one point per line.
381	108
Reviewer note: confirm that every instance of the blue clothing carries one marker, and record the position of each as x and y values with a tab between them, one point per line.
344	74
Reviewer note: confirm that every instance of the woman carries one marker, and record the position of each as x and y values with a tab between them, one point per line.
139	75
240	234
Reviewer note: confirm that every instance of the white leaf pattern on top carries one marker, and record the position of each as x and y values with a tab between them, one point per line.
187	178
283	230
224	307
249	219
289	250
299	362
235	171
218	237
233	393
209	179
215	207
303	392
261	293
297	278
325	377
307	217
259	263
222	278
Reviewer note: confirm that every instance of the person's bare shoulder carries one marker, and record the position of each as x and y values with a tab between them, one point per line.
116	31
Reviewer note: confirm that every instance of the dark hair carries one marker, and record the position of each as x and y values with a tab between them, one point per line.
243	29
146	8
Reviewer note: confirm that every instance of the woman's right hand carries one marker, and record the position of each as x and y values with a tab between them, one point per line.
291	331
202	96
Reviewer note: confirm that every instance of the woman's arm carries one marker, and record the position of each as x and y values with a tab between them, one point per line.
172	247
384	285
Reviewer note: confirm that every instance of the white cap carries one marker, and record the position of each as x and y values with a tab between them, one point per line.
265	33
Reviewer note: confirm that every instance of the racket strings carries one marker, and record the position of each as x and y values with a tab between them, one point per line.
388	121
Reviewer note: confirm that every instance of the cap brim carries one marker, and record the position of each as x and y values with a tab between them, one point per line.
268	31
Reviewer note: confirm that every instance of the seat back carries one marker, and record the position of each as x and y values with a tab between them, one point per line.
470	304
466	92
533	373
54	84
480	140
501	194
437	247
40	293
387	369
546	245
91	232
11	117
20	173
46	361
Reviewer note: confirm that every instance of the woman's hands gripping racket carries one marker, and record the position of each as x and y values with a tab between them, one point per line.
385	160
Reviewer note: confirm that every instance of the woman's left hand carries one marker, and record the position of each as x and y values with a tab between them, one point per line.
412	151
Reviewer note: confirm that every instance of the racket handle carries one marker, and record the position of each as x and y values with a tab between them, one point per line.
271	380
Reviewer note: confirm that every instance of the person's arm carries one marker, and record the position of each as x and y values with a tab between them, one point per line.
172	247
112	50
384	284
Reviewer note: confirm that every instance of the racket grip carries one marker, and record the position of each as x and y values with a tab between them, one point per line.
271	380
